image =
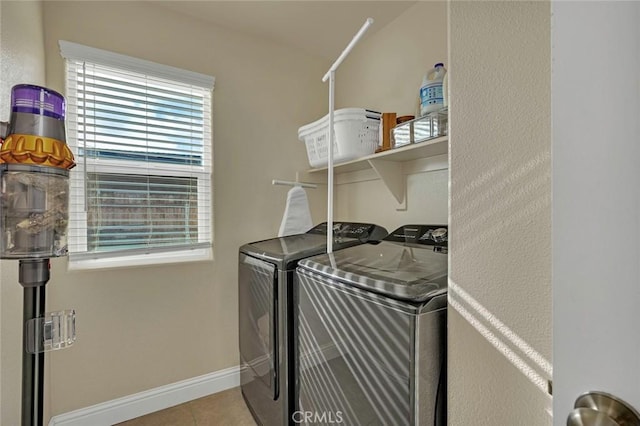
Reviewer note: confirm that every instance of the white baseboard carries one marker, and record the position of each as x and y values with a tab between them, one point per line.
139	404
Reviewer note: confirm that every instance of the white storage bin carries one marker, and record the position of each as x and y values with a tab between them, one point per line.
356	134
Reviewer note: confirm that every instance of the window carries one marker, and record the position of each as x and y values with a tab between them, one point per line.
141	134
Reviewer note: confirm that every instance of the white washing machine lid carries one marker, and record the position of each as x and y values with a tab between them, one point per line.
401	271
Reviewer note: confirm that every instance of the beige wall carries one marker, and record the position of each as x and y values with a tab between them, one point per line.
132	322
384	73
141	328
22	54
21	61
500	213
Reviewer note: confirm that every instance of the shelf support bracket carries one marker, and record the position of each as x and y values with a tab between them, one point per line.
391	174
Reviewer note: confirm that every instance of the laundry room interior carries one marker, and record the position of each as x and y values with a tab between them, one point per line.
160	334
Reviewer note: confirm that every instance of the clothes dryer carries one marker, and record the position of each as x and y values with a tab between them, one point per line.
265	281
371	332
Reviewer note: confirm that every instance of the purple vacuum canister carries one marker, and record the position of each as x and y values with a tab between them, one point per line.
34	176
32	99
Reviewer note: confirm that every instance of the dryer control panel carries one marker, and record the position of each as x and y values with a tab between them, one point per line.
428	235
355	230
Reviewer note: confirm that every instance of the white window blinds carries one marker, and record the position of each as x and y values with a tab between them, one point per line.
141	133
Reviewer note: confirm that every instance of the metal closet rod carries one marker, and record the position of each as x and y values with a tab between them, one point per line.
290	183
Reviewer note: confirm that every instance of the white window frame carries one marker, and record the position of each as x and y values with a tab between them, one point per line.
78	232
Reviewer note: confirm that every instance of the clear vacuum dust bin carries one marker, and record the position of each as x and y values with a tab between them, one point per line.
34	176
34	212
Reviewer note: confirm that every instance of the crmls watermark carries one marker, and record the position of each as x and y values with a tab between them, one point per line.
311	417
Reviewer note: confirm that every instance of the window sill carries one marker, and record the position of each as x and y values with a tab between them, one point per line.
197	255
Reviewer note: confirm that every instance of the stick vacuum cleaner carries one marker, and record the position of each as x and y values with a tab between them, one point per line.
34	212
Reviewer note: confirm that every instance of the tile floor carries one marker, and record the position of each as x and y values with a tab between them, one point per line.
221	409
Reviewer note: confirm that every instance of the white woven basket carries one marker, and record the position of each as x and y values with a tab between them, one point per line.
356	134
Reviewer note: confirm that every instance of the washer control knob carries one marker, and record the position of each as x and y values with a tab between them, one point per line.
439	235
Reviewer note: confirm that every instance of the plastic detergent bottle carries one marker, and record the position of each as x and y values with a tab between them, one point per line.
445	90
431	90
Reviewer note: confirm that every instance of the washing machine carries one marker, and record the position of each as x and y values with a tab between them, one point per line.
265	281
370	332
